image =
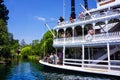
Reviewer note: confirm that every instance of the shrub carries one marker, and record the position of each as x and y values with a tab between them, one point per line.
26	51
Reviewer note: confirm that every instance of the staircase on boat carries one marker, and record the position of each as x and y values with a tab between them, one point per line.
103	55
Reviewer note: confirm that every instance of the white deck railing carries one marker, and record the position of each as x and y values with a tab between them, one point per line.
104	37
91	63
96	15
107	36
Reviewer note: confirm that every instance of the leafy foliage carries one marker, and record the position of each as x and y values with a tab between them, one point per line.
36	47
26	51
39	48
5	51
46	43
3	33
7	43
3	12
14	44
23	43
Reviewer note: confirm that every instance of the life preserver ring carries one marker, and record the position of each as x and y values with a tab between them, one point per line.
88	37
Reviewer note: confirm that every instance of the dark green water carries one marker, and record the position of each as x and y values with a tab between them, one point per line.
32	70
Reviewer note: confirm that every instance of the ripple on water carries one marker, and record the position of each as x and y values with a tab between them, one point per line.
24	71
32	71
55	76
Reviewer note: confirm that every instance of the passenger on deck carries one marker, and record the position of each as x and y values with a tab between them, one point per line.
56	59
68	34
81	15
91	31
60	56
61	20
46	58
72	20
51	58
62	35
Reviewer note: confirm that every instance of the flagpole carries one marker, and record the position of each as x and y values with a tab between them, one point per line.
44	46
64	8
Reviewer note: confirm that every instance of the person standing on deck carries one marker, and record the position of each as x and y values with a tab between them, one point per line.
52	58
60	55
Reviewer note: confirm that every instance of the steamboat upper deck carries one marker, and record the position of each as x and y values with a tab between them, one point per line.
102	22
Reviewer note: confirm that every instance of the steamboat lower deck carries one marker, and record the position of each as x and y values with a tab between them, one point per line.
83	69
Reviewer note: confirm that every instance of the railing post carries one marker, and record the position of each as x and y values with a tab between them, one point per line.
56	36
108	52
83	32
83	55
56	55
73	34
94	31
64	34
63	54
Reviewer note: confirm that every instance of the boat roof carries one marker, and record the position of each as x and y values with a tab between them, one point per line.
102	7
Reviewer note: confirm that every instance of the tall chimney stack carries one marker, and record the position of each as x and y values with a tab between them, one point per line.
86	4
73	15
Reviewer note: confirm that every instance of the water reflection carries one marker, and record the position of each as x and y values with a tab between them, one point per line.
21	70
4	70
24	71
32	70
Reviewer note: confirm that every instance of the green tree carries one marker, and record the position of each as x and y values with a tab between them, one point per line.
3	33
42	47
14	44
35	42
3	11
4	41
7	43
36	47
46	43
5	51
27	50
23	43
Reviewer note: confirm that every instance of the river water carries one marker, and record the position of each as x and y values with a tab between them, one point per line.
32	70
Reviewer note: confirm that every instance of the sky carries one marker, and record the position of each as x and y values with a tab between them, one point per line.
27	18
